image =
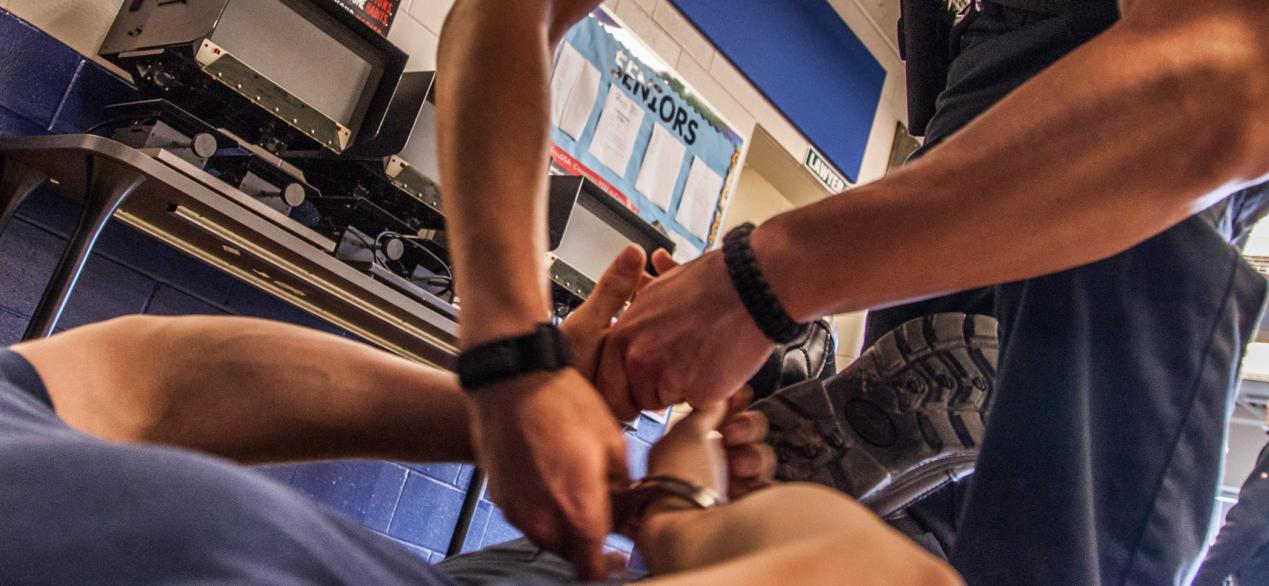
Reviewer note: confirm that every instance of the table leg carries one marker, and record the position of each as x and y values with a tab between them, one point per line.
465	514
17	181
109	183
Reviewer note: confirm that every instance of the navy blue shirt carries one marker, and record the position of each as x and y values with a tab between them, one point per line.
77	510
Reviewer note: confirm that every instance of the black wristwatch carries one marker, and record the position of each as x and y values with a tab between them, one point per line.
545	349
629	504
756	294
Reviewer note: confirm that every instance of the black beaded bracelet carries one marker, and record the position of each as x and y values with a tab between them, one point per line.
756	294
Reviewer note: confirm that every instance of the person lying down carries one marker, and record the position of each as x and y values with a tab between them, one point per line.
123	448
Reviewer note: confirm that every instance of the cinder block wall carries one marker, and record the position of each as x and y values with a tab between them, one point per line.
47	87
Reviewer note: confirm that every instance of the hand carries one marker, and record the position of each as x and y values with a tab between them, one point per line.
587	326
552	449
692	452
736	466
554	454
687	336
751	462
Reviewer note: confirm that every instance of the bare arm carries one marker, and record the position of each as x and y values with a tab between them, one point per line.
789	534
550	444
1152	121
493	122
252	390
259	391
1159	117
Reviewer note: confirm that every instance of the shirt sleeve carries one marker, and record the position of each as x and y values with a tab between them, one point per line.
1246	529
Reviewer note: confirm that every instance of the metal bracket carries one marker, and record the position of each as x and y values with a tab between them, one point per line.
17	182
109	183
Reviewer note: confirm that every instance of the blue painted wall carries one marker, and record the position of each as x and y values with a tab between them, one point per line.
45	87
807	62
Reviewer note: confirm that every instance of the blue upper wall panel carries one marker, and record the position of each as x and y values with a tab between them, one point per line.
801	55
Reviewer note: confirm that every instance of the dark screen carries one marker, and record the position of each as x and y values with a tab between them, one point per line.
376	14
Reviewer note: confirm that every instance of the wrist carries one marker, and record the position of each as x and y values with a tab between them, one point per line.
544	349
494	309
505	322
663	529
772	244
751	284
658	495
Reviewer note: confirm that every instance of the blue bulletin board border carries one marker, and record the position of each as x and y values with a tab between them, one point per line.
632	69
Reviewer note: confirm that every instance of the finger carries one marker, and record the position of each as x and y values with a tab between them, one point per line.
614	289
741	489
740	400
618	469
751	462
615	562
643	387
586	551
644	281
541	526
589	521
706	417
663	262
611	379
749	427
767	467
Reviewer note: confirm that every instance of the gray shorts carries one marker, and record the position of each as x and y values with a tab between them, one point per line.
517	562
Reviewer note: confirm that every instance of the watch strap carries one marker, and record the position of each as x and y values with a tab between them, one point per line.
630	503
545	349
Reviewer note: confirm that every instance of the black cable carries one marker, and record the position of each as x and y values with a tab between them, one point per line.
104	123
448	272
445	281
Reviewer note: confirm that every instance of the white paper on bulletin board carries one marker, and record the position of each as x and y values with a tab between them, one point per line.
618	130
700	199
661	164
684	250
644	131
573	89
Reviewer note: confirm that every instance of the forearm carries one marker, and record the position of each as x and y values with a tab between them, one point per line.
493	116
252	390
1140	128
794	534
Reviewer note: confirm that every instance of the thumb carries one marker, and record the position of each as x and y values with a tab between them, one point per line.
663	262
706	418
614	289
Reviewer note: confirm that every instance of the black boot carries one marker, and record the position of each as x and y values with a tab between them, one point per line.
806	358
901	421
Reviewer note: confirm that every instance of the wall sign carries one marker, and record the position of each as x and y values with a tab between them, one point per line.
824	172
625	120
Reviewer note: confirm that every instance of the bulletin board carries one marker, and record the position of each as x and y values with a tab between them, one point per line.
625	120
